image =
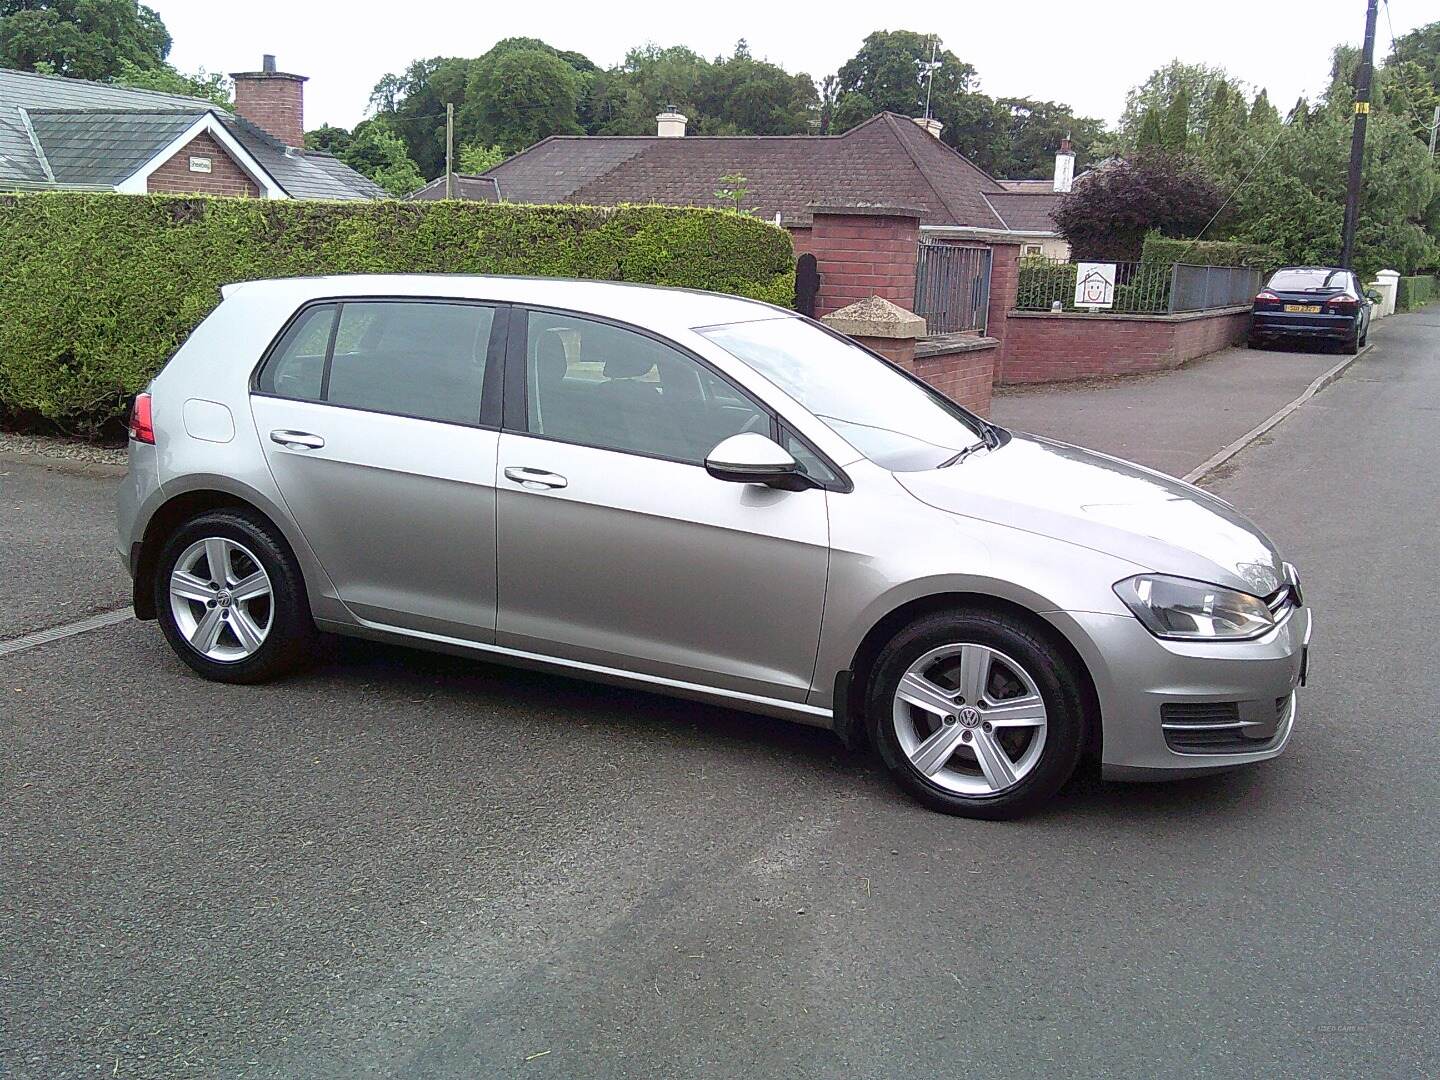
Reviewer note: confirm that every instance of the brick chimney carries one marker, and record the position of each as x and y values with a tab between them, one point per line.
930	124
272	100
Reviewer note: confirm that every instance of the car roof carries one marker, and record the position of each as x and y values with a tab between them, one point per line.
651	306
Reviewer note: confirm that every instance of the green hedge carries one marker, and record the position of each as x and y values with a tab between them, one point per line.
1165	249
1413	292
97	291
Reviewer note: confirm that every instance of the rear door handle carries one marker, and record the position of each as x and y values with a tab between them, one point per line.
535	479
297	440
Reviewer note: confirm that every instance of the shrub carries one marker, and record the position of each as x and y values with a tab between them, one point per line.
1167	249
1413	292
97	291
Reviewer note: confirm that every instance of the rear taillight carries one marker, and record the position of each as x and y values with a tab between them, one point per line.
142	429
1343	302
1266	295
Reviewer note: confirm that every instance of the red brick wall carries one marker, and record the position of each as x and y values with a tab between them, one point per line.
275	102
1004	286
964	377
862	255
1044	347
225	177
800	240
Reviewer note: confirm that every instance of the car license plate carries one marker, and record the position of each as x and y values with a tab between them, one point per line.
1303	309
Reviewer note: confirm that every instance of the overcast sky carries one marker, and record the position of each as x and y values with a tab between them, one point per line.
1085	52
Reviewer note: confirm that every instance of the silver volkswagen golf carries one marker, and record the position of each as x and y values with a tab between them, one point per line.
707	497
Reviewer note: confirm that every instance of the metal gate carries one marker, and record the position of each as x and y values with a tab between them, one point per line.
952	287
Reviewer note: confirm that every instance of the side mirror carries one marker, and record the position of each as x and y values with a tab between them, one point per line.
752	458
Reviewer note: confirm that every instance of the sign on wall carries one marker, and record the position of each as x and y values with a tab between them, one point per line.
1095	285
200	164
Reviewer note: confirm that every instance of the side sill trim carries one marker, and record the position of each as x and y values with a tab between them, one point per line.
794	710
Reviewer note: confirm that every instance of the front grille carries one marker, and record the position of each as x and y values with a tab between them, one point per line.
1222	727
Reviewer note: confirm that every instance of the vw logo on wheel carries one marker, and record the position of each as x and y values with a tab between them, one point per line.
969	716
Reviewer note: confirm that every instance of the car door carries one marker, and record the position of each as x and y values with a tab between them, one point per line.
615	546
372	416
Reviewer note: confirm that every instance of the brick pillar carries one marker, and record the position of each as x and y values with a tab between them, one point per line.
880	325
1004	291
864	251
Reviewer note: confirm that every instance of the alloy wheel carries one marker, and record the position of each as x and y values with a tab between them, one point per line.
221	599
970	719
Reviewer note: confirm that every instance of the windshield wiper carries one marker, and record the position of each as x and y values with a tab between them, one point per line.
983	444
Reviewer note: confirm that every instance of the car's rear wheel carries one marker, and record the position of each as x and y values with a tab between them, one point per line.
231	600
975	713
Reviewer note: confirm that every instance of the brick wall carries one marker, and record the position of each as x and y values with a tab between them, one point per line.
860	253
225	177
1038	346
273	101
965	377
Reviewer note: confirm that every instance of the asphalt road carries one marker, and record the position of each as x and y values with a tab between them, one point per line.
415	866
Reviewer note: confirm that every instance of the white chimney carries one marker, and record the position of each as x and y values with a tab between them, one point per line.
930	124
1064	166
670	124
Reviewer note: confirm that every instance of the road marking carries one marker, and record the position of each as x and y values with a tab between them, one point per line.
1209	466
59	633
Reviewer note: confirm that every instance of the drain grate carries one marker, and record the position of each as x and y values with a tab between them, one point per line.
59	633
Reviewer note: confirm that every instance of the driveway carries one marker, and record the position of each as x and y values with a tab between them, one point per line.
410	865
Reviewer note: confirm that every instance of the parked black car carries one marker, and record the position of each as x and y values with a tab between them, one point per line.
1323	302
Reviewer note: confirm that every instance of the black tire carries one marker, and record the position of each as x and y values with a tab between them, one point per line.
1352	344
1252	342
1057	682
292	638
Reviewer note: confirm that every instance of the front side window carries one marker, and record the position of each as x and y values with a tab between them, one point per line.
895	422
409	357
605	386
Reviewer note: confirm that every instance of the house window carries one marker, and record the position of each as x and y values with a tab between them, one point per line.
1031	249
201	164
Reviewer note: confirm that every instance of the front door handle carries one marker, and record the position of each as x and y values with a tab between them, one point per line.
535	479
297	440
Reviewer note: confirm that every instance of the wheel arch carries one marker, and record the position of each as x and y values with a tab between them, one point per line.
852	684
178	509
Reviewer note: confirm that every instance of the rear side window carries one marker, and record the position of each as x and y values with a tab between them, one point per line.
296	368
413	358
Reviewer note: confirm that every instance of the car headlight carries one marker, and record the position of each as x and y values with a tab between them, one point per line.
1174	607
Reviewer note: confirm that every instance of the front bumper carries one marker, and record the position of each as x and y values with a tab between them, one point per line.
1137	674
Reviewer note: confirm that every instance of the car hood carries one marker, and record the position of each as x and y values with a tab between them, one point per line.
1109	505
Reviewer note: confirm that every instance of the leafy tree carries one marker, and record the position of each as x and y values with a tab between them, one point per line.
81	39
1031	132
1109	215
1262	113
478	158
412	105
890	71
212	86
1176	124
1151	135
377	152
333	140
1421	47
521	96
1196	82
372	150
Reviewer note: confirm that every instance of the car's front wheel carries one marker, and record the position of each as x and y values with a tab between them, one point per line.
231	600
976	713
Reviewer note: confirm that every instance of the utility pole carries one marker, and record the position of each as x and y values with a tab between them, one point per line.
1434	127
1363	75
450	149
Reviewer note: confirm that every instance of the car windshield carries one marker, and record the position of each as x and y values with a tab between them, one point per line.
896	422
1310	279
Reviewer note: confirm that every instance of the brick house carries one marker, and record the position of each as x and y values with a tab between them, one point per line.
888	160
72	135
